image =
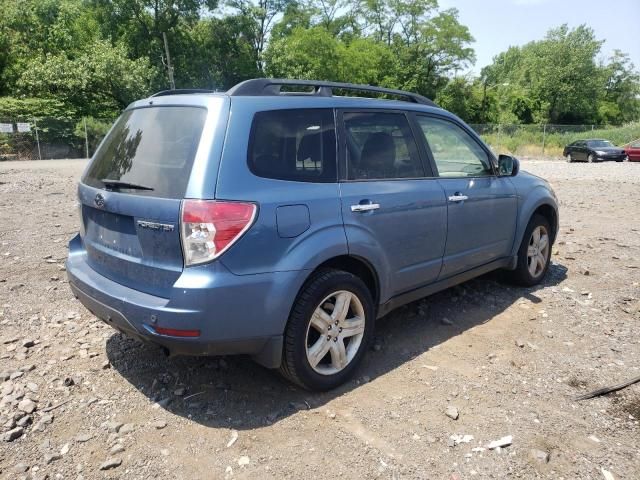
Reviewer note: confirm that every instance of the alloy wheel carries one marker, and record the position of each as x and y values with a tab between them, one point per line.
335	332
538	251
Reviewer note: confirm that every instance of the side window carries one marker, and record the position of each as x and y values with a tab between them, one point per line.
379	146
635	145
455	152
298	145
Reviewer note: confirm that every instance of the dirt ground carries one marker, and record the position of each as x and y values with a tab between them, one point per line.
510	360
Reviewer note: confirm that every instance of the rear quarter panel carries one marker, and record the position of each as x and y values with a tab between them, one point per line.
263	248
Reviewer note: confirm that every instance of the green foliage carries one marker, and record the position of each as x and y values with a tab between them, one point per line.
261	15
73	58
99	81
304	54
222	53
139	24
557	80
93	129
462	97
29	108
621	102
407	45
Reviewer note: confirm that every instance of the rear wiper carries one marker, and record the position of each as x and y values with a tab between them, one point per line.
117	184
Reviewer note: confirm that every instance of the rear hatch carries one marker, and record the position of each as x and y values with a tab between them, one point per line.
131	193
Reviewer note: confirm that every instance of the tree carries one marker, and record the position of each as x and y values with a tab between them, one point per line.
262	15
295	15
32	29
621	99
222	53
464	97
431	49
554	80
410	45
310	54
140	24
99	81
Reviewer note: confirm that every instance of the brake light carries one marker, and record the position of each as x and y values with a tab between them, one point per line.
210	227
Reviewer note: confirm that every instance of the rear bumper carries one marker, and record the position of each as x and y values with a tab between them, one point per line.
235	314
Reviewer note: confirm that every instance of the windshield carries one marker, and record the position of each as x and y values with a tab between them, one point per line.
149	151
599	144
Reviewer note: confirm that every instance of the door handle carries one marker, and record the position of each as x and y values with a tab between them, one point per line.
365	207
458	197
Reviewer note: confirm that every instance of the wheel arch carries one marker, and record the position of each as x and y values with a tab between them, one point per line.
357	266
539	202
551	214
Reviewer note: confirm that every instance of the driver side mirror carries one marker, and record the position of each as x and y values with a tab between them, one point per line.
508	166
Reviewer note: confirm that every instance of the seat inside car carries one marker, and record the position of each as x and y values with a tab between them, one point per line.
378	156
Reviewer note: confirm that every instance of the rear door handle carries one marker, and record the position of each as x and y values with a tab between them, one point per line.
365	207
458	197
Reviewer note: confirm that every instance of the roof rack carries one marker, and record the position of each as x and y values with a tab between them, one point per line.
181	91
272	86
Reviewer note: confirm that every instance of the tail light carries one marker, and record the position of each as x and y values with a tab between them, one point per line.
210	227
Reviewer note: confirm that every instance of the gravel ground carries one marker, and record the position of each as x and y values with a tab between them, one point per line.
78	400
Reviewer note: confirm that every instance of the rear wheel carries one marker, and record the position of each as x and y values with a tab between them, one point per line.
328	331
534	253
569	158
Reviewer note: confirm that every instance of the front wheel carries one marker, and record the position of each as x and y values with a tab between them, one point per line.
534	253
591	158
329	328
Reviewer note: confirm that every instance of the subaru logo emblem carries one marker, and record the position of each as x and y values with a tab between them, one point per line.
99	201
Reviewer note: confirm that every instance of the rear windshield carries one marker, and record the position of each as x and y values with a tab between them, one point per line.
152	148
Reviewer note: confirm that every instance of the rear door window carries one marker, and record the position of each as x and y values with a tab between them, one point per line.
150	147
380	145
297	145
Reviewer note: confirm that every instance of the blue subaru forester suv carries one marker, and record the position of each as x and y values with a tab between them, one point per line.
280	220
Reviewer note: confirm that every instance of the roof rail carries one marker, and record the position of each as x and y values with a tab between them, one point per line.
181	91
272	86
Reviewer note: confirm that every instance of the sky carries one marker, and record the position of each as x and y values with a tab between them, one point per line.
498	24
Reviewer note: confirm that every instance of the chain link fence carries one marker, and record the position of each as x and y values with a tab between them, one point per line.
55	138
548	141
50	138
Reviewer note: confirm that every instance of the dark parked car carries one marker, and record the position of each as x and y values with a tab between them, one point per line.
282	225
633	151
593	151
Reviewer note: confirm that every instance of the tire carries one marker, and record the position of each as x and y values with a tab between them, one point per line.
524	274
337	364
591	158
569	158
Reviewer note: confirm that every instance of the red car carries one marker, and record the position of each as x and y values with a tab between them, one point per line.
633	151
